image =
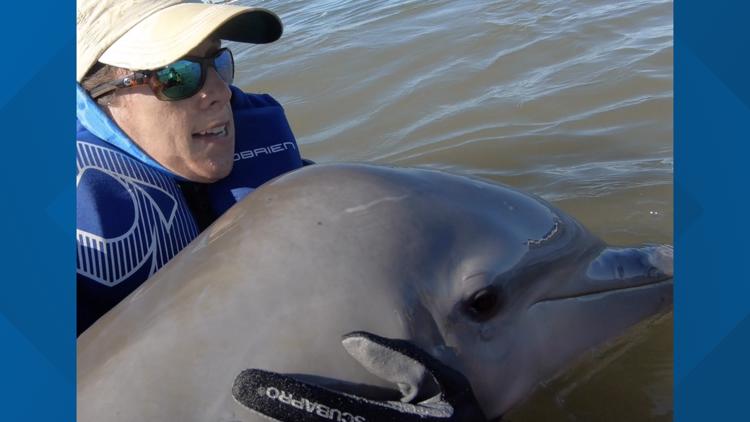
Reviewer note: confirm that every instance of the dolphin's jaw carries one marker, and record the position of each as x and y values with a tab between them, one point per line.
531	378
566	328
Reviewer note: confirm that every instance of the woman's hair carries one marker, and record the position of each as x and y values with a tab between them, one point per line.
98	74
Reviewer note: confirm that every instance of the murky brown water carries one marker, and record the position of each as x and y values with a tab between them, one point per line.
571	100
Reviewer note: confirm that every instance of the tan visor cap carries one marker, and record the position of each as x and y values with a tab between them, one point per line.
167	30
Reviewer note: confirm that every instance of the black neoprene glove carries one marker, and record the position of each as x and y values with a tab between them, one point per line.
283	398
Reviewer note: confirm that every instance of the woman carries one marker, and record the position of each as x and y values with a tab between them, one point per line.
165	144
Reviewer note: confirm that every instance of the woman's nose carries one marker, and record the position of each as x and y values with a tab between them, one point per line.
215	91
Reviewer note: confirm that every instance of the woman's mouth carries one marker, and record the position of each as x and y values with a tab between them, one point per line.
218	131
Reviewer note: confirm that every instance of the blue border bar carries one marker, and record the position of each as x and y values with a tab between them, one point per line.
37	304
712	289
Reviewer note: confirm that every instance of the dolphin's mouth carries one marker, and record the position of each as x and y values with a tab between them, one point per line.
617	271
601	293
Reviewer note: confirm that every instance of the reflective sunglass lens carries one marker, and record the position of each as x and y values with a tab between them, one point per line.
184	78
224	65
181	79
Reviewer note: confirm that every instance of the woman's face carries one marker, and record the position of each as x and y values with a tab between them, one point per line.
184	135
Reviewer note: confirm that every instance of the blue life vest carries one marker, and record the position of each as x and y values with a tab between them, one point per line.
265	148
133	216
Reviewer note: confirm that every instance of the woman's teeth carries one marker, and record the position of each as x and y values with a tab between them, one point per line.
217	131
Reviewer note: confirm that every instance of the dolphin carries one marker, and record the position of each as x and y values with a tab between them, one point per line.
494	282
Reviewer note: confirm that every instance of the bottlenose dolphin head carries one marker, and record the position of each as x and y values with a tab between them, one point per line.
524	309
495	282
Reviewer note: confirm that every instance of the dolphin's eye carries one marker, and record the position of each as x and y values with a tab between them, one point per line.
483	304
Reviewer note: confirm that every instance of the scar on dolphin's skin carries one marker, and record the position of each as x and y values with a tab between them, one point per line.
375	202
555	231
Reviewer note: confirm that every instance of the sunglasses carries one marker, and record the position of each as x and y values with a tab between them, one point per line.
177	81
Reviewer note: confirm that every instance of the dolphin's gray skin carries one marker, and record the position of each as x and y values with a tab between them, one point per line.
494	282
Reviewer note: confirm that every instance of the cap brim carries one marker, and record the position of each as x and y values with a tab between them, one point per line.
172	32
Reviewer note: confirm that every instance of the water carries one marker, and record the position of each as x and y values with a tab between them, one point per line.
571	100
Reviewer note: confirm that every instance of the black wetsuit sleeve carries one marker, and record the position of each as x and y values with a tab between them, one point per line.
196	196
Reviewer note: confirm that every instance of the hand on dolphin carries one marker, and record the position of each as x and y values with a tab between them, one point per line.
283	398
